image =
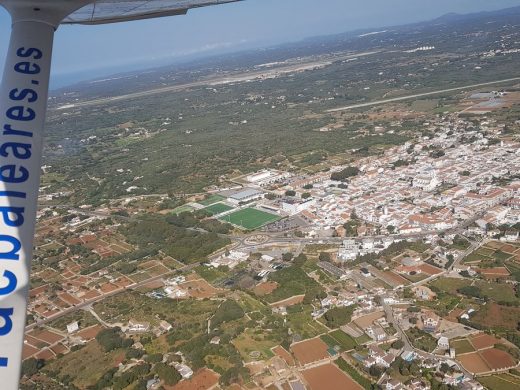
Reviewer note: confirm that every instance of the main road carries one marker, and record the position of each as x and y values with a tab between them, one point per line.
418	95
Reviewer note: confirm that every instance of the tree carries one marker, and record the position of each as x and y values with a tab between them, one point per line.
287	256
391	229
345	174
133	353
306	195
471	291
290	193
31	366
398	344
300	260
324	256
154	358
307	186
168	374
376	371
110	339
338	316
270	196
444	368
228	311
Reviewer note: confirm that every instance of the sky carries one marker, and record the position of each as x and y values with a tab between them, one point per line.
85	51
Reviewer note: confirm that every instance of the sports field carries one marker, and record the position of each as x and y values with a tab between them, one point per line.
183	209
210	200
250	218
218	208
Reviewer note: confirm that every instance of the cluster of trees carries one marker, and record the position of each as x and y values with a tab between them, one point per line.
351	227
437	153
294	281
345	174
228	311
132	375
471	291
406	368
339	316
198	219
199	347
167	373
31	366
421	339
177	237
111	339
402	163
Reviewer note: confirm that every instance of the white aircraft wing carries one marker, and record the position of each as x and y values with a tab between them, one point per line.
112	11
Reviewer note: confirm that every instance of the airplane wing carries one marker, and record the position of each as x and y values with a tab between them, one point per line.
112	11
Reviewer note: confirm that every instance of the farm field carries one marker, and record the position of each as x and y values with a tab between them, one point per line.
462	346
474	363
497	359
344	340
499	292
282	352
265	288
329	377
199	289
218	208
310	351
501	382
496	316
204	379
86	365
304	325
482	340
250	218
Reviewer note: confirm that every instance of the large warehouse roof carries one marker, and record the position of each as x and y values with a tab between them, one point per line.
111	11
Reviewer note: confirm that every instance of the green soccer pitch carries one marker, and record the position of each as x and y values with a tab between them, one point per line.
250	218
217	208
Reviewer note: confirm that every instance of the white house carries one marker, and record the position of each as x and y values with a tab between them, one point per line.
443	343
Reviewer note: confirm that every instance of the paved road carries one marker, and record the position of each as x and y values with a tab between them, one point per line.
214	80
398	99
408	345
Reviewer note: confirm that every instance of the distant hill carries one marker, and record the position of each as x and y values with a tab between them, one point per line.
454	17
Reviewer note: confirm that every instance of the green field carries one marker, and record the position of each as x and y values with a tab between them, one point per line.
344	340
218	208
183	209
210	200
499	292
462	346
501	382
250	218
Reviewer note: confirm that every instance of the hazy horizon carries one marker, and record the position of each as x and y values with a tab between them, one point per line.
235	27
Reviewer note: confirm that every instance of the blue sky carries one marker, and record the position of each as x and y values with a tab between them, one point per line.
231	27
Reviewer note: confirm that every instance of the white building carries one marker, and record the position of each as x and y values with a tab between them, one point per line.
184	370
443	343
73	327
295	206
244	196
138	327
